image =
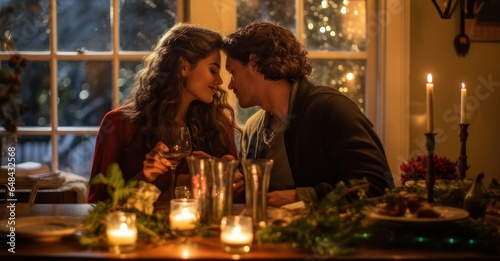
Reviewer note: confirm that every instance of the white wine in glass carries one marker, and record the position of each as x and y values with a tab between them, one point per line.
178	141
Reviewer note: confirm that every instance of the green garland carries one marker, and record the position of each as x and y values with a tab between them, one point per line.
338	226
152	226
329	230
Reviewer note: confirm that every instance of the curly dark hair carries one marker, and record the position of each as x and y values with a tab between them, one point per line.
278	53
154	100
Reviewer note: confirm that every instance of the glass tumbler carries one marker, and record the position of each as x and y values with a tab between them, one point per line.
257	174
211	181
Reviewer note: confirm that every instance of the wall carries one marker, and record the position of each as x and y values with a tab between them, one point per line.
432	51
219	15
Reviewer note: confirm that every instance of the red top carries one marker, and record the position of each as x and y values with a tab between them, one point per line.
115	143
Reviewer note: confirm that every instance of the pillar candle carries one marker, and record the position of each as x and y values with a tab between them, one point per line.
463	103
429	92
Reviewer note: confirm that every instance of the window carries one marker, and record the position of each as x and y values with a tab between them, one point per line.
79	55
90	64
335	34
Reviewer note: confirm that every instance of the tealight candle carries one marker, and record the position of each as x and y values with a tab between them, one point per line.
184	216
183	221
121	231
236	233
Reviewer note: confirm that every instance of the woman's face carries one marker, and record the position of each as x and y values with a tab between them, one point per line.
203	78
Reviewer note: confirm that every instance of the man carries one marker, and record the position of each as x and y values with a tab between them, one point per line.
316	136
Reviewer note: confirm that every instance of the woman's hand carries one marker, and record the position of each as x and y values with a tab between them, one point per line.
239	179
238	182
155	165
279	198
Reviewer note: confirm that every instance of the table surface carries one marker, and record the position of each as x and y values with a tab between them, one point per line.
197	248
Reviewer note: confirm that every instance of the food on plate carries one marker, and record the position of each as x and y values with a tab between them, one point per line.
414	202
395	207
411	205
426	211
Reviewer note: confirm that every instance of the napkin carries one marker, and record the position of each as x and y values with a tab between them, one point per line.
77	183
295	206
26	168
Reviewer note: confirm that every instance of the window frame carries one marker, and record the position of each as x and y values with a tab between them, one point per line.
387	87
370	55
54	56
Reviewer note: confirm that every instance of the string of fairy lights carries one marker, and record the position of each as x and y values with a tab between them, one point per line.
329	26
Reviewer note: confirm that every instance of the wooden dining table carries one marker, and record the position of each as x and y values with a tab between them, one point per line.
199	248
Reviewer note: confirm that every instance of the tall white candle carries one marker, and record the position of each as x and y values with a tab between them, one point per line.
463	103
430	93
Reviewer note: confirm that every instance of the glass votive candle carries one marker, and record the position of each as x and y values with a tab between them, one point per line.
236	233
184	216
121	231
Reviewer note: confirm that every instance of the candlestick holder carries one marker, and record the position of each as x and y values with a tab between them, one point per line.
430	176
462	159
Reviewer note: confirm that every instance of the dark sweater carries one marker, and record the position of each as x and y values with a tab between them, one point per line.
329	140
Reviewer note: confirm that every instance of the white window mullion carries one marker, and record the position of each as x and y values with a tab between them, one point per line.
299	24
53	85
373	90
115	29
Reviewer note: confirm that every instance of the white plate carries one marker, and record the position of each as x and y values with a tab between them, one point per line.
447	214
43	228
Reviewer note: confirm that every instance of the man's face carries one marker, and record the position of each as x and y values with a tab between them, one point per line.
242	82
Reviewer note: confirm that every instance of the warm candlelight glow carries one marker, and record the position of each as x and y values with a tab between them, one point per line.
429	95
463	103
121	231
185	220
236	236
122	235
236	233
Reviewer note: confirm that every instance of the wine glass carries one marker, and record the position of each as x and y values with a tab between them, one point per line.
178	141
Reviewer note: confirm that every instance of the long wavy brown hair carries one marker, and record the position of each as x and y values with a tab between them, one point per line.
154	100
278	53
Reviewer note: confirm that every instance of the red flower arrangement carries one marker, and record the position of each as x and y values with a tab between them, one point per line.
415	169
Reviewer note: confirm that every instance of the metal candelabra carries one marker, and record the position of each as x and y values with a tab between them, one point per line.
462	159
430	177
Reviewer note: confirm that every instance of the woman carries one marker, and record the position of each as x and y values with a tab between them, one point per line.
178	86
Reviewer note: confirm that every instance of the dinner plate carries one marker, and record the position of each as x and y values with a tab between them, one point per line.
42	228
447	214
